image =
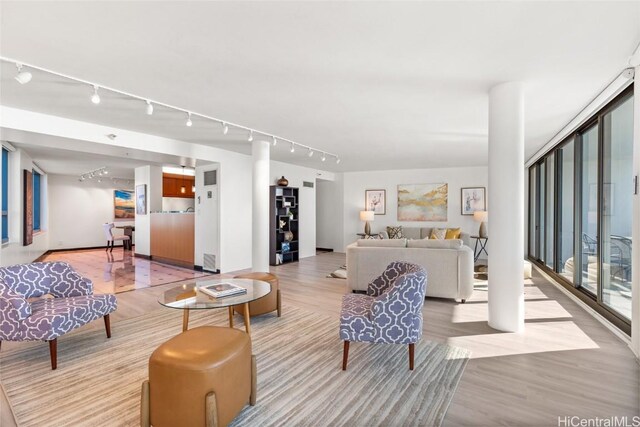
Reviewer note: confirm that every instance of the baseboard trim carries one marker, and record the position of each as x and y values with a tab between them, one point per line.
324	249
147	257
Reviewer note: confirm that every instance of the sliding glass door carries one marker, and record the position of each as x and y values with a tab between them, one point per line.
580	210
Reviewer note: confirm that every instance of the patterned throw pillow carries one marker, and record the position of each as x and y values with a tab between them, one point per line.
438	233
453	233
395	232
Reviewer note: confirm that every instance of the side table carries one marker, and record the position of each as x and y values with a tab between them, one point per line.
481	242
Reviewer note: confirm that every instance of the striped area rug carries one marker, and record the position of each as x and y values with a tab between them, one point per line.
300	381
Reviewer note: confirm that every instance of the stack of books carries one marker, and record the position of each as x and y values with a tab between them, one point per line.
220	290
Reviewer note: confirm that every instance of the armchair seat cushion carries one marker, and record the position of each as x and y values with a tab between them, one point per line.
355	318
53	317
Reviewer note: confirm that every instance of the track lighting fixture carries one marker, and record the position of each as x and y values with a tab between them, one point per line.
337	160
23	77
100	172
324	157
95	98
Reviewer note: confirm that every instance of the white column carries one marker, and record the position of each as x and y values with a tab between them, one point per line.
506	207
635	250
260	212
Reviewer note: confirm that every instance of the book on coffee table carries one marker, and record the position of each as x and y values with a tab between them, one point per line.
219	290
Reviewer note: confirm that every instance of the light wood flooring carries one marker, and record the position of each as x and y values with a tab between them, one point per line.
565	363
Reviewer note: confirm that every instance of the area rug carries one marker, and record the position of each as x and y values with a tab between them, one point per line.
300	381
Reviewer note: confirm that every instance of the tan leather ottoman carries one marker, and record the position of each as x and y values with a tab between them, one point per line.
202	377
267	303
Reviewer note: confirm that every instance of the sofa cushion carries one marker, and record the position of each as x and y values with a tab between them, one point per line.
411	232
383	243
395	232
435	243
453	233
438	233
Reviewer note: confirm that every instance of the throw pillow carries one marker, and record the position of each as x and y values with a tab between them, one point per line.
438	233
453	233
395	232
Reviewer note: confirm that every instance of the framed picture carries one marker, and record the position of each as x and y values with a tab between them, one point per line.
141	199
376	201
423	202
123	204
472	199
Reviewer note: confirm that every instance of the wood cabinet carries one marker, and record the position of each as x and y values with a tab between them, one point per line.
172	184
284	225
172	238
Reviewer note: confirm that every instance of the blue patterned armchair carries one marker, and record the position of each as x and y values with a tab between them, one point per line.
45	319
391	312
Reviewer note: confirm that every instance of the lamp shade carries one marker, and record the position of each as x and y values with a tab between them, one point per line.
367	215
480	216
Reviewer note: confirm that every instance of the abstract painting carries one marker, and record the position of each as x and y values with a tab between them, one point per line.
376	201
123	204
423	202
472	199
141	199
27	198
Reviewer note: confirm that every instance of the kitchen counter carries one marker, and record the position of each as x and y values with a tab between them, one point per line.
172	238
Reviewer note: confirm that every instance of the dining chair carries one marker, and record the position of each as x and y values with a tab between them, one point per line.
108	233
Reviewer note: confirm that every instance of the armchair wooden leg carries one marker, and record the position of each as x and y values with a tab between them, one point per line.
231	316
53	352
279	303
107	248
107	325
254	381
211	408
345	355
145	416
463	301
411	354
112	242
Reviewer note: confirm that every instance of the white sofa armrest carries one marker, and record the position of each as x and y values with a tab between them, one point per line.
465	272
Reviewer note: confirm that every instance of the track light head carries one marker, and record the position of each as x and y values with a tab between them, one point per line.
337	160
149	108
23	77
275	141
250	136
324	157
293	147
95	98
189	122
310	153
225	128
105	172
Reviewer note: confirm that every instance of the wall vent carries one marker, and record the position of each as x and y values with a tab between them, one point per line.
209	263
307	184
210	177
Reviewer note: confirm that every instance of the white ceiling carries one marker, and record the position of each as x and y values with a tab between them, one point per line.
383	84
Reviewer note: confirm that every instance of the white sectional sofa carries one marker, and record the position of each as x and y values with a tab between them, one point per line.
449	264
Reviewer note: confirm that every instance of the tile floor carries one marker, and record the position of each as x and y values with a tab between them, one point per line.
121	271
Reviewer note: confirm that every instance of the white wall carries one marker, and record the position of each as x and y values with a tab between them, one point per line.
151	176
307	213
355	184
207	211
14	252
329	213
77	211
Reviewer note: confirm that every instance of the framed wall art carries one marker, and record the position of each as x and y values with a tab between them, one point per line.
376	201
423	202
472	199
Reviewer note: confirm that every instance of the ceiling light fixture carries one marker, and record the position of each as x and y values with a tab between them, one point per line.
23	77
337	160
182	188
293	147
310	153
94	173
324	157
250	136
95	98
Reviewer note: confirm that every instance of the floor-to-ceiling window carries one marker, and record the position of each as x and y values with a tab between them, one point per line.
580	210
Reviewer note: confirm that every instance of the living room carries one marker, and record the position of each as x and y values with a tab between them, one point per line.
475	163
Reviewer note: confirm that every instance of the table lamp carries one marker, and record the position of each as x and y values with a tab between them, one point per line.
481	217
367	216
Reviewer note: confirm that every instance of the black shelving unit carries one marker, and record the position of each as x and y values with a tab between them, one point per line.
284	216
